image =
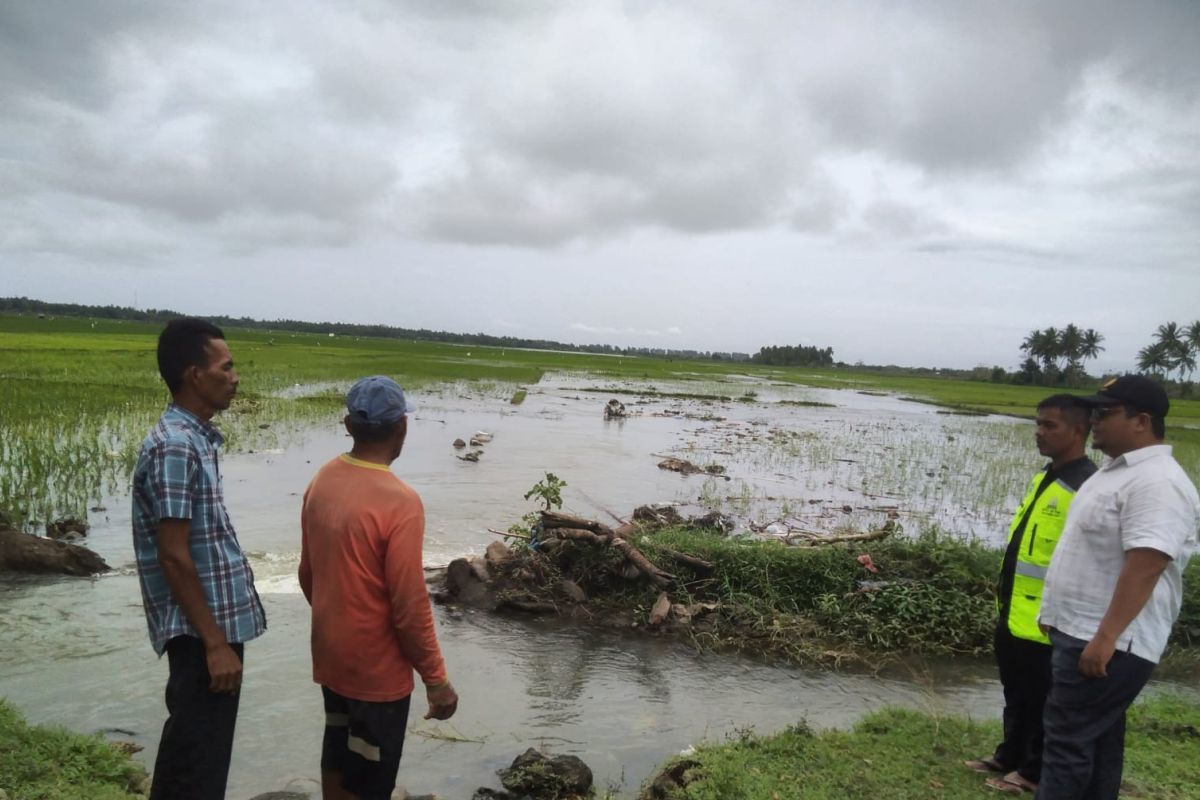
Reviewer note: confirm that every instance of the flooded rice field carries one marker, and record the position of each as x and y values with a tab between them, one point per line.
75	652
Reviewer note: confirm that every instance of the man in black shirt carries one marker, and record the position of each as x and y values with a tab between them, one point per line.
1022	650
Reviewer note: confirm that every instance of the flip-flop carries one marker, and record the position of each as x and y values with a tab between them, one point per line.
1012	783
985	765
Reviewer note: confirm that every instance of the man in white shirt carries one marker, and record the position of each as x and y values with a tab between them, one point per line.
1114	589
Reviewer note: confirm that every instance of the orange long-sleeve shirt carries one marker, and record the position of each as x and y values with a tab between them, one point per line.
360	568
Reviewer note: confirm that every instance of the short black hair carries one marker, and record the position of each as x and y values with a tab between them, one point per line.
1071	407
182	344
366	433
1158	425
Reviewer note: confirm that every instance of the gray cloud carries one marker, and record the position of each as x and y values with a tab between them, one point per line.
934	125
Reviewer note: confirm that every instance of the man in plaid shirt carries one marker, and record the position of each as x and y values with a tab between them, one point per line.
197	587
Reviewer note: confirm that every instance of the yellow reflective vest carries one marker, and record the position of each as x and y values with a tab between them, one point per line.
1042	529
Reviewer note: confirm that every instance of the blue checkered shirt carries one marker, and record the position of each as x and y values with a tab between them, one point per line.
177	477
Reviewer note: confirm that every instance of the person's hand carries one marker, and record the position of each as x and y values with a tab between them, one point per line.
224	669
443	702
1093	662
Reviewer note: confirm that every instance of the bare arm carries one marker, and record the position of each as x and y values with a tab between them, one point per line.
1135	584
224	667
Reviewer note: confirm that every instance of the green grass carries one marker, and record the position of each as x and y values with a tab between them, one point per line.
909	755
43	763
933	595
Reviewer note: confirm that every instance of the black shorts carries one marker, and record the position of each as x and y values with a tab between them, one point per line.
363	742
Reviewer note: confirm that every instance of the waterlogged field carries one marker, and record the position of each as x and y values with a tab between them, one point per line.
79	395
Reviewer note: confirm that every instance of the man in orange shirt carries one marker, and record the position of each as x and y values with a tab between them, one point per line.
372	624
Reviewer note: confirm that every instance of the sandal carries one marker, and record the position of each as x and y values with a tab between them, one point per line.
1012	783
985	765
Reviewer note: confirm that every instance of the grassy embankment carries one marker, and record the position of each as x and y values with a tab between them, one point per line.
906	755
933	595
39	763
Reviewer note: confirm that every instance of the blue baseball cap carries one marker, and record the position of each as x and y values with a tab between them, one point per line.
377	400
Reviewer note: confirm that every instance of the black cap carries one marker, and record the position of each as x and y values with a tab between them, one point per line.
1136	391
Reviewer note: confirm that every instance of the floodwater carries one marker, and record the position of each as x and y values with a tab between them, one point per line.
75	652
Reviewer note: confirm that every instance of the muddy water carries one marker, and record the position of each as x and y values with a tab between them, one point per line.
76	653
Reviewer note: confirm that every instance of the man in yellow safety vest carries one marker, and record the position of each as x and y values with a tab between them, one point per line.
1022	650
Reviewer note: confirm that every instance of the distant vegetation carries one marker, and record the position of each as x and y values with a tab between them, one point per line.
1175	349
26	306
1055	357
795	356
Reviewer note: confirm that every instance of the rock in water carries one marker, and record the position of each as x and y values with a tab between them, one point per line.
464	585
547	778
497	555
662	607
24	552
68	529
573	591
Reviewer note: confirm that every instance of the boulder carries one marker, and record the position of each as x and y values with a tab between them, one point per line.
573	591
497	555
546	778
670	781
662	607
459	444
24	552
67	529
480	567
464	585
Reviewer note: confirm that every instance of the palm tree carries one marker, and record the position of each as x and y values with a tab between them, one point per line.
1177	348
1192	335
1070	344
1191	343
1155	359
1092	339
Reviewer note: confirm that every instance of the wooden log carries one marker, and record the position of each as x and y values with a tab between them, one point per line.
566	526
657	576
698	564
557	519
577	535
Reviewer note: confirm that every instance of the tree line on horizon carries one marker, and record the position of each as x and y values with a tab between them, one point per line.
1055	356
26	305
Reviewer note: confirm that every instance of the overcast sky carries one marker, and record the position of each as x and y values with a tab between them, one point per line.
918	183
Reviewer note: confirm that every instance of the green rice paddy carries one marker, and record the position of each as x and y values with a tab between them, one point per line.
80	394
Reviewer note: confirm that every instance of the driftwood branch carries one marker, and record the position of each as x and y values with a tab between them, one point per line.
813	538
566	526
508	534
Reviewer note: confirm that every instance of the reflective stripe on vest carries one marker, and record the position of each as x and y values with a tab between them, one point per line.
1042	529
1028	570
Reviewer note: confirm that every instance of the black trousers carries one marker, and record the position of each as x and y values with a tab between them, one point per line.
1025	675
197	738
1085	723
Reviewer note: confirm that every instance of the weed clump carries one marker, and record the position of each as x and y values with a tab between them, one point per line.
57	764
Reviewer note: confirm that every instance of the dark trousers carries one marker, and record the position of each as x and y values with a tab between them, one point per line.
1085	723
197	738
1025	674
